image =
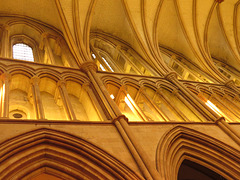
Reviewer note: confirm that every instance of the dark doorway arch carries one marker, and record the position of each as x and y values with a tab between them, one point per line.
192	171
182	143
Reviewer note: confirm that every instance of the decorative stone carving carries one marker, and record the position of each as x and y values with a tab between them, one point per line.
87	66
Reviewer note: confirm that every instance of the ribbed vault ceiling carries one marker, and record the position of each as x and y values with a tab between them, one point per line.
196	29
42	10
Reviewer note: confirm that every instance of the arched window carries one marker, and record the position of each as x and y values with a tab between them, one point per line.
23	52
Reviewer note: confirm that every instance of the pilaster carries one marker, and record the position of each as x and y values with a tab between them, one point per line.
121	123
192	99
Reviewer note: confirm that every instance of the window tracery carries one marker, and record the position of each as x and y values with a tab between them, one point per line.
186	71
30	34
117	58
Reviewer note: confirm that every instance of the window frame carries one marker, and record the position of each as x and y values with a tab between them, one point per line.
17	39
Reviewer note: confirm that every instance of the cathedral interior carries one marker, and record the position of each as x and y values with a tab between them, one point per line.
120	89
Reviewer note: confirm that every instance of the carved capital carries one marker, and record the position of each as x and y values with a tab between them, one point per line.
142	89
119	118
87	66
86	85
171	76
35	80
5	27
230	83
220	120
61	83
44	36
5	77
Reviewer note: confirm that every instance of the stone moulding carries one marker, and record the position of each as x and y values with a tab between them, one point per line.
59	154
182	143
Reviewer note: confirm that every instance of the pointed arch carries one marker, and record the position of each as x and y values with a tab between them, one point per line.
64	154
182	143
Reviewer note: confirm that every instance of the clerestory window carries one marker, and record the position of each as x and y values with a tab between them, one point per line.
23	52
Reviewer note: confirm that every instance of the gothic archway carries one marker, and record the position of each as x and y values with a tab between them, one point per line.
181	143
59	154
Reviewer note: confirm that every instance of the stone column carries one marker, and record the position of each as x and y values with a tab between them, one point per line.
192	99
171	105
37	98
66	101
58	47
204	109
5	41
189	105
5	94
235	136
90	68
88	89
146	166
154	106
225	105
45	45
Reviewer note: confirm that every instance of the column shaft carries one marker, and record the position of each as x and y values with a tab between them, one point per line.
5	42
37	98
192	99
143	162
5	97
66	101
49	57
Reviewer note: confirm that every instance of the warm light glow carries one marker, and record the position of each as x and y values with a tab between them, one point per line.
1	94
215	109
23	52
112	96
129	104
3	91
93	55
102	68
131	100
107	64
